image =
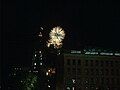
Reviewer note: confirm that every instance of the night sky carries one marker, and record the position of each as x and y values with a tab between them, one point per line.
86	23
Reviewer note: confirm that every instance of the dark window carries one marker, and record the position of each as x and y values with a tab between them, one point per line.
117	72
116	63
73	61
86	63
68	62
102	71
91	63
111	63
107	81
96	63
106	71
97	72
91	80
86	71
118	81
113	81
92	71
107	63
102	81
79	62
78	71
68	70
101	63
74	70
112	71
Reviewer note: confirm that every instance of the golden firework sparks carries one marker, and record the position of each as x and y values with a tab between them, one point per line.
57	35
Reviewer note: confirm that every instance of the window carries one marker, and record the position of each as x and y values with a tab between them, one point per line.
106	71
97	72
112	71
92	72
96	63
107	63
102	72
92	81
116	63
78	71
73	61
101	63
107	81
79	62
86	72
111	63
86	63
118	81
117	72
91	63
68	62
68	70
74	70
113	81
102	81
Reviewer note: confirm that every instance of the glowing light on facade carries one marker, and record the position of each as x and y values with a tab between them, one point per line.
102	53
49	86
34	63
73	51
91	53
57	35
47	73
117	54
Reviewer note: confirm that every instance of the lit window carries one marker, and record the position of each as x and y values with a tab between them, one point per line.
41	55
34	67
73	80
49	86
68	88
35	55
39	51
73	88
49	70
35	64
46	73
40	63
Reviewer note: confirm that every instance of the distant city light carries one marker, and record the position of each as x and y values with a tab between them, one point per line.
91	53
73	80
49	70
49	86
34	67
73	51
40	34
35	55
73	88
39	51
35	64
117	54
102	53
41	28
68	88
46	73
40	63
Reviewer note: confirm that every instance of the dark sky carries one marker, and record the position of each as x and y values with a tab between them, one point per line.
87	23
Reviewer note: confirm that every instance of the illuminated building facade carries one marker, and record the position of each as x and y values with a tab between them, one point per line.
91	70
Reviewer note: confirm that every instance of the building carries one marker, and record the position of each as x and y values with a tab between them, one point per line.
90	70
